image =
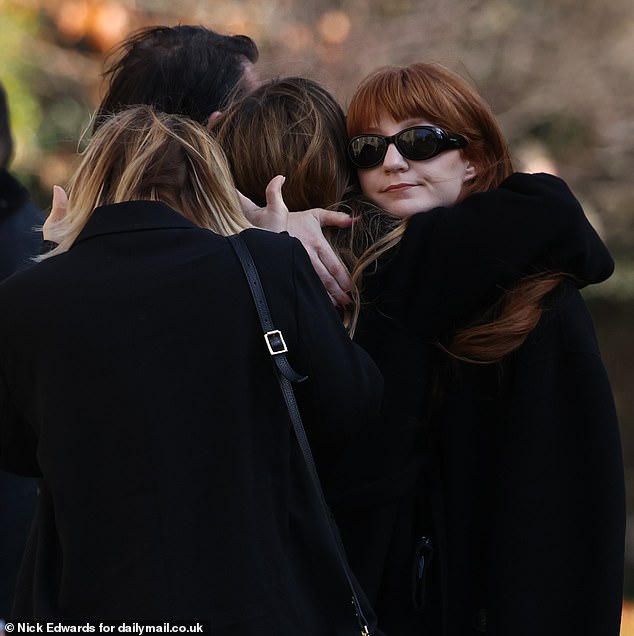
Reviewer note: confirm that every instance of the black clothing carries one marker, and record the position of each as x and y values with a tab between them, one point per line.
136	383
535	456
19	241
508	478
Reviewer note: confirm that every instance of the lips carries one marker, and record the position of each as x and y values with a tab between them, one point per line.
398	187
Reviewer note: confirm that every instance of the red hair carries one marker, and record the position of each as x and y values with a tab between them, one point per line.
432	92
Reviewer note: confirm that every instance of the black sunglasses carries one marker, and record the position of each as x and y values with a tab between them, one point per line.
416	143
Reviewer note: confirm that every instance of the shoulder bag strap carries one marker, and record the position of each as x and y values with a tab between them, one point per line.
285	375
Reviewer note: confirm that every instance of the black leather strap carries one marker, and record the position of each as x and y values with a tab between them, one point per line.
253	278
286	374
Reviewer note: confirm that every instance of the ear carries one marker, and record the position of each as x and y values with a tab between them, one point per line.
470	171
213	118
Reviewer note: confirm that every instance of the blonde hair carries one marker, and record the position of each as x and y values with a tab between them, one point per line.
143	154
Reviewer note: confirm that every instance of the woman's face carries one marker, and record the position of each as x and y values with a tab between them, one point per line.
403	187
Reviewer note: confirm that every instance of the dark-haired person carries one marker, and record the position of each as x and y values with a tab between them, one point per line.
19	241
186	69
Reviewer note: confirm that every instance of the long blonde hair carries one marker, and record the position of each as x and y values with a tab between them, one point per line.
143	154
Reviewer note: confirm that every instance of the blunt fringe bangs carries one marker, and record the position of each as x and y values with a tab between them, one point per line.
432	92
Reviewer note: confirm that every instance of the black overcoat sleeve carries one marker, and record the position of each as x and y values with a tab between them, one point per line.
453	261
342	395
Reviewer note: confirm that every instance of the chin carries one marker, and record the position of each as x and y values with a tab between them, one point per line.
405	211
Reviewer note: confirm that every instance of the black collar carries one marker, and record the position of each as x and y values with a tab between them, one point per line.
132	216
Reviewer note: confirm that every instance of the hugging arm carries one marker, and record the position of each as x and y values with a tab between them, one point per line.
343	393
307	227
452	261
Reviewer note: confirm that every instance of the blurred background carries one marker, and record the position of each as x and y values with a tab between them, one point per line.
558	73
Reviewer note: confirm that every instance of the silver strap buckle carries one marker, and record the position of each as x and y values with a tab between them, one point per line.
275	342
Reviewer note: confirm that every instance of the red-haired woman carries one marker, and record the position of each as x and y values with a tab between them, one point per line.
493	499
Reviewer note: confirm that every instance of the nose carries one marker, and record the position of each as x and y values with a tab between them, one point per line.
394	160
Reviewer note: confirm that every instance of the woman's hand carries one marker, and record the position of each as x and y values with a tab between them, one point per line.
306	226
272	217
59	208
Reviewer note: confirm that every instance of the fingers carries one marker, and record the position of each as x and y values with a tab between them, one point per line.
338	281
330	217
333	274
338	296
59	207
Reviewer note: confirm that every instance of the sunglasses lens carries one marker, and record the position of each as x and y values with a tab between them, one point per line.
367	151
418	143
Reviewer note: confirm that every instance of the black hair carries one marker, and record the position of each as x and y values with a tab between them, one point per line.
186	70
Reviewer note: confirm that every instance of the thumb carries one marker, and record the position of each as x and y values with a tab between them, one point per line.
59	207
275	206
274	199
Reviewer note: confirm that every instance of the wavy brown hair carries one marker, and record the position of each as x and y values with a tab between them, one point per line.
143	154
290	126
432	92
293	126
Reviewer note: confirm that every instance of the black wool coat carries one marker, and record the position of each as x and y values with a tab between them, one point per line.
19	241
135	383
19	217
491	501
531	535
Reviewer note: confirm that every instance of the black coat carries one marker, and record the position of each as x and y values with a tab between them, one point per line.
19	217
136	383
532	452
507	480
19	241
